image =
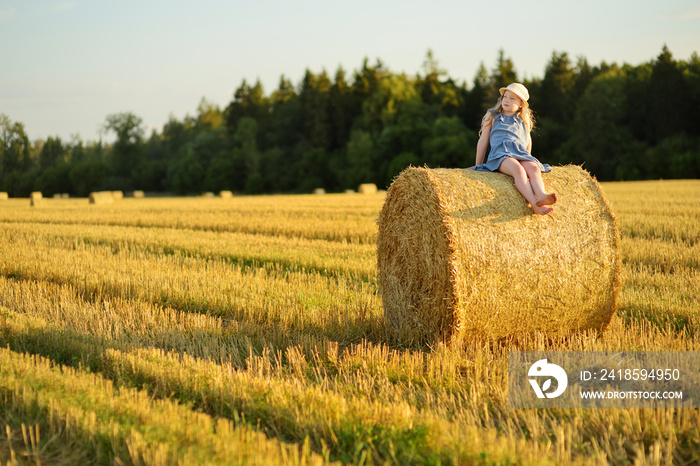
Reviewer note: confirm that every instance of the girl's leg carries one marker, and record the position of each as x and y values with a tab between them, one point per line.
512	167
533	172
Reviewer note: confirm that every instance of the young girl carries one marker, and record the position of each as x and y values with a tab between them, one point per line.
506	126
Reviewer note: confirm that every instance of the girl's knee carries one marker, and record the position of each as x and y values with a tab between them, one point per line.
530	167
518	173
521	175
519	169
514	169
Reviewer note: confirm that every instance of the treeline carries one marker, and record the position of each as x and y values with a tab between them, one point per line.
621	122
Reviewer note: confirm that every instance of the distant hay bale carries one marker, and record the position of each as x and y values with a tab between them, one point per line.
137	194
319	191
349	191
4	196
101	197
117	195
225	194
367	188
57	196
36	199
65	196
461	255
208	194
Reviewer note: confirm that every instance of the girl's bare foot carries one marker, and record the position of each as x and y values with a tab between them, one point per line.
540	210
548	199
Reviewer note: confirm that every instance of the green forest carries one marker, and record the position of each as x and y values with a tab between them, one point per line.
621	122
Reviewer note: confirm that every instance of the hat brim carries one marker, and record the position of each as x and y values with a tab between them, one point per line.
522	98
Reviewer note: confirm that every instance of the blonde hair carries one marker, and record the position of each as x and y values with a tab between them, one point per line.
524	113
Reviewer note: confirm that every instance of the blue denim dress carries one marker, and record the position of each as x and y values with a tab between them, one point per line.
508	139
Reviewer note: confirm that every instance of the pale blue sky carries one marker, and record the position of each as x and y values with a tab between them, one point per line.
66	65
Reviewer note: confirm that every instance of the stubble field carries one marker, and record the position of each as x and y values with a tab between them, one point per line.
250	330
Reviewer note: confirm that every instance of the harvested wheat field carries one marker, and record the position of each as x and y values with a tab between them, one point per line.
252	331
460	255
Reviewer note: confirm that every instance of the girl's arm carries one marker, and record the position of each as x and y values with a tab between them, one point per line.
483	144
529	143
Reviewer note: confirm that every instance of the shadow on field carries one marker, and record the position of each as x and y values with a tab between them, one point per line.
244	262
662	319
346	325
254	409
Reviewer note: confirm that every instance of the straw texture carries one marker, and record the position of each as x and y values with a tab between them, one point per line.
461	255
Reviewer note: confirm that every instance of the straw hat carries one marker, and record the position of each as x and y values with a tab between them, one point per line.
519	90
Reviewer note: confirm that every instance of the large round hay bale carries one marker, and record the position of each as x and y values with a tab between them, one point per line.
367	188
101	197
36	199
225	194
461	255
4	196
117	195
